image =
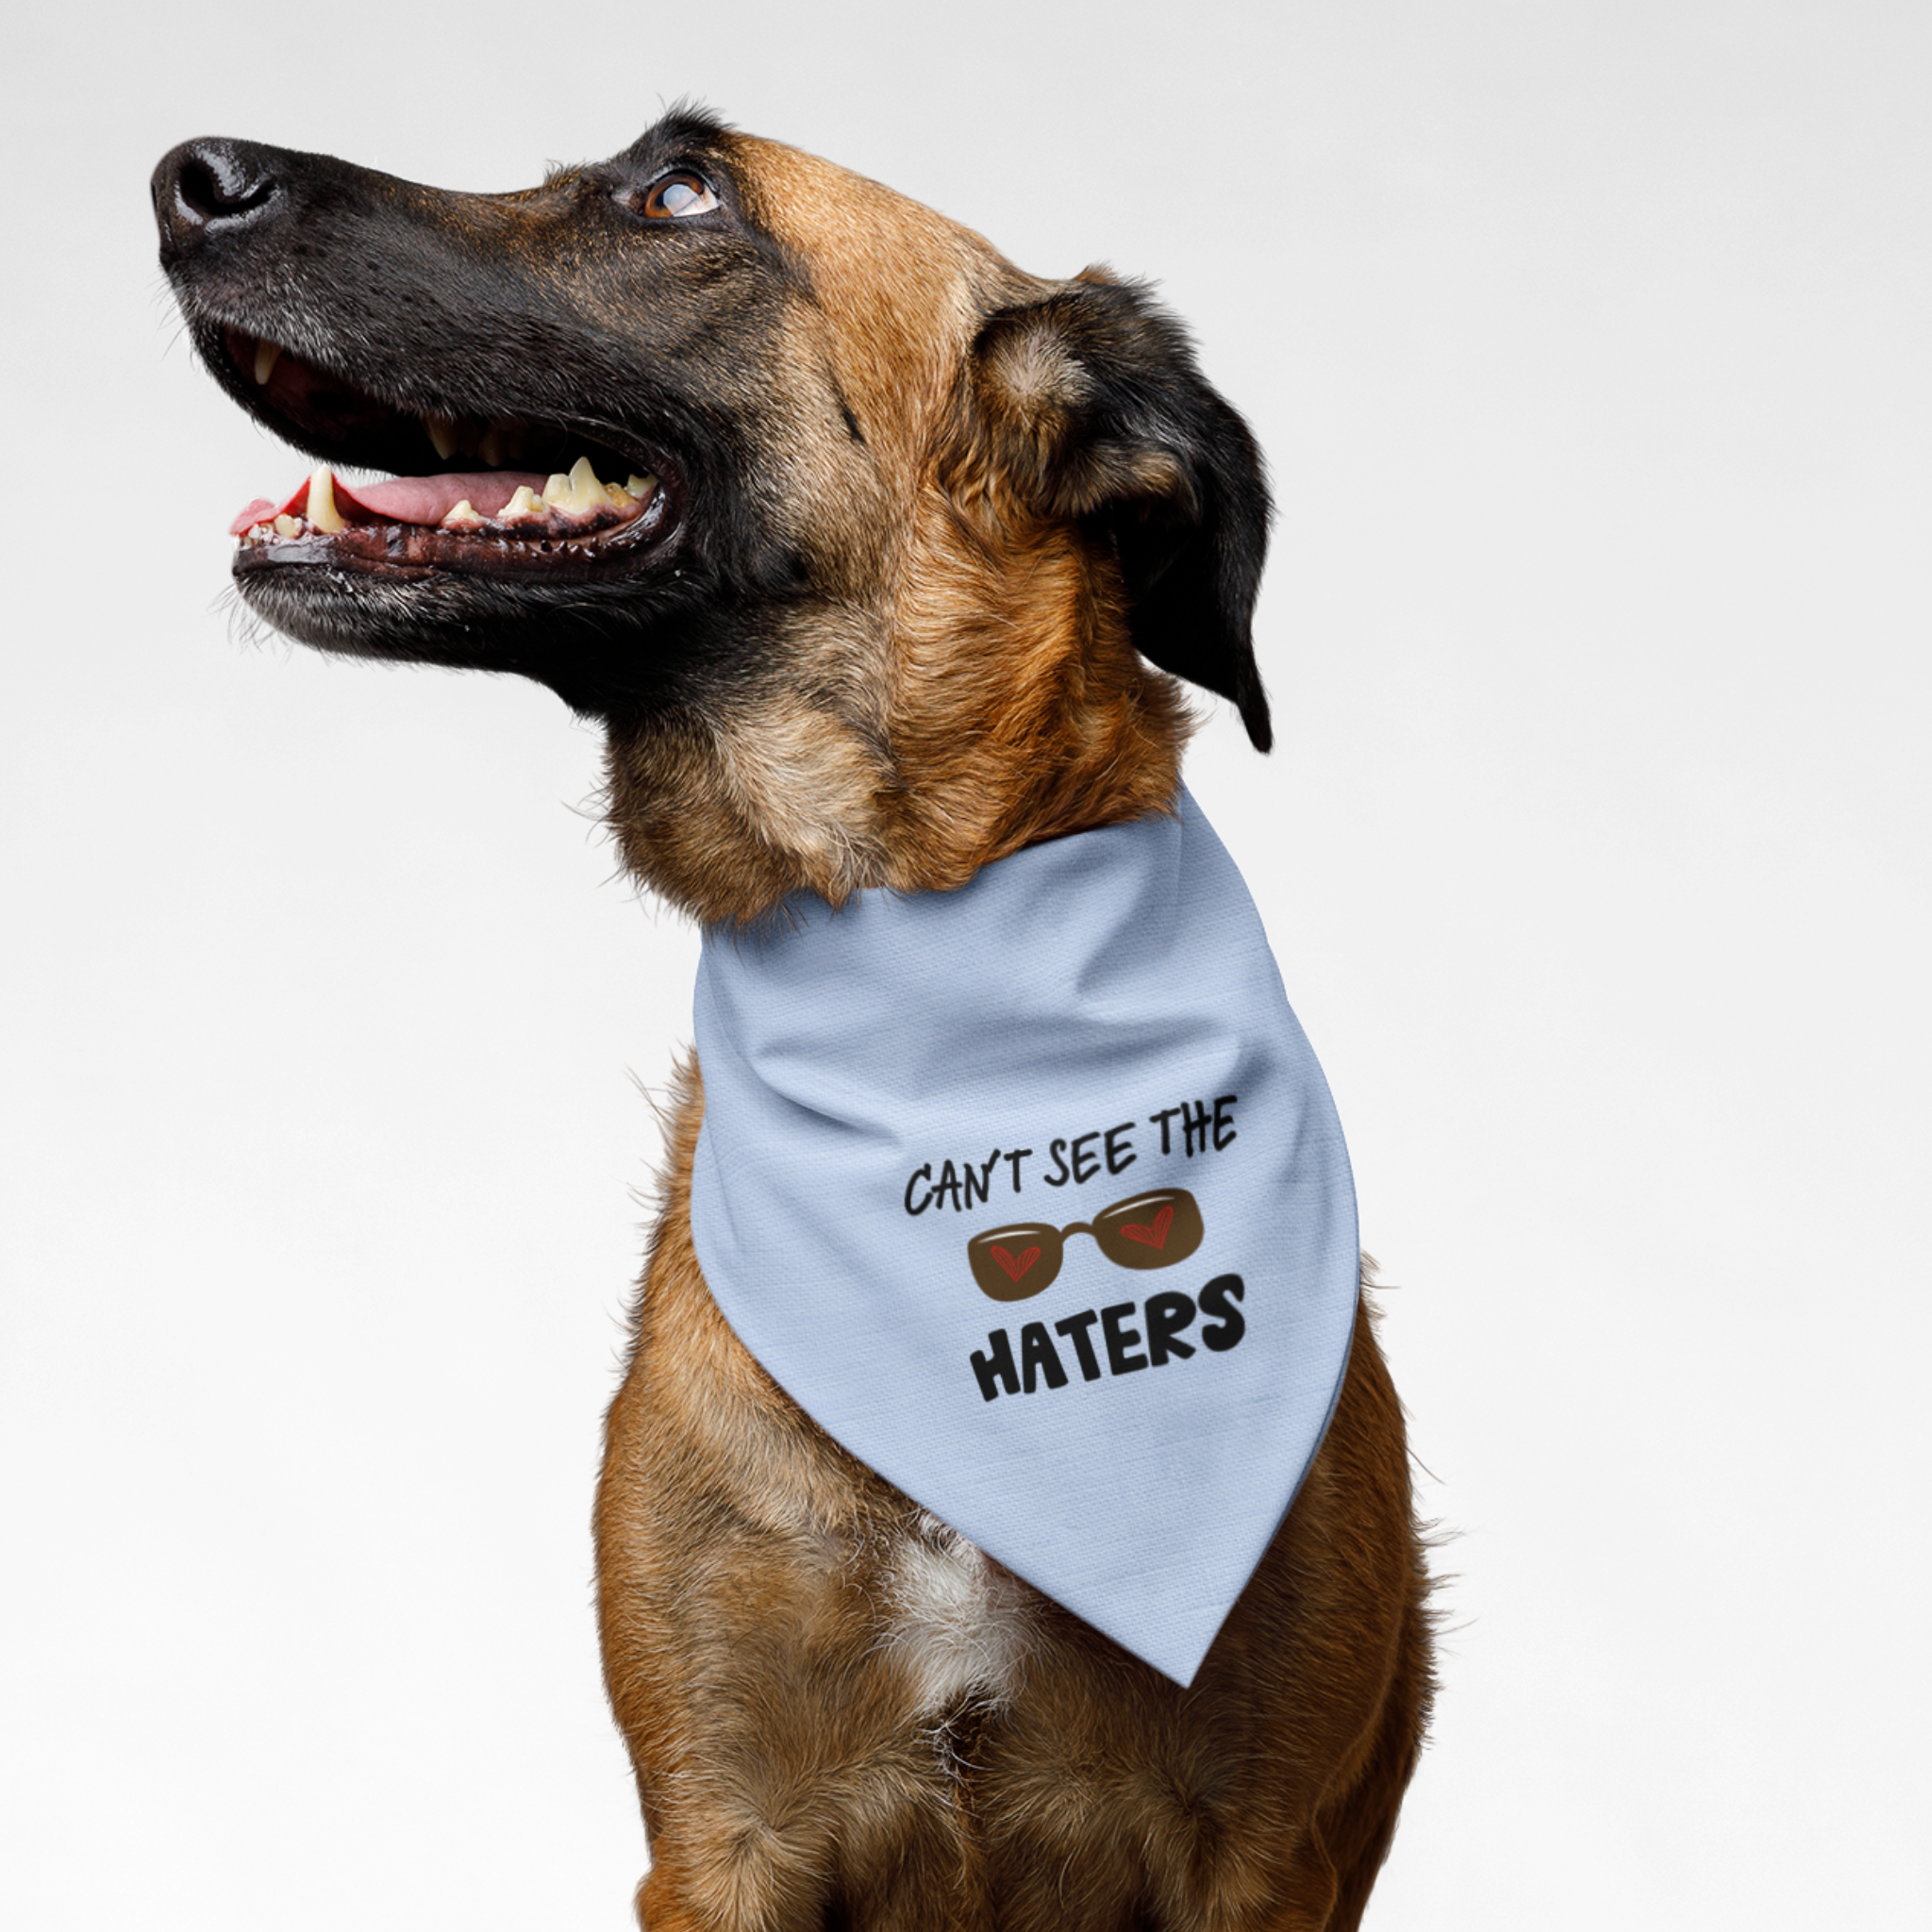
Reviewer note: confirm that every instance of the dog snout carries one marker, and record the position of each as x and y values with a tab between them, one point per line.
214	187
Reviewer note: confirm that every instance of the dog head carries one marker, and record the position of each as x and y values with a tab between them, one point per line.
860	540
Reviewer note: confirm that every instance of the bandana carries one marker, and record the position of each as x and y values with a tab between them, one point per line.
1033	1196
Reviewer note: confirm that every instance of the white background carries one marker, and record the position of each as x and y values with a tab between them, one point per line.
1590	344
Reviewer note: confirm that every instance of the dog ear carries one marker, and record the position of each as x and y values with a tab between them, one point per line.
1089	406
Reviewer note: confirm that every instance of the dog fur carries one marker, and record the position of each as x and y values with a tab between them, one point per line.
931	542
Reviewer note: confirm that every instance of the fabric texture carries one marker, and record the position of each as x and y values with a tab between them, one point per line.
1032	1194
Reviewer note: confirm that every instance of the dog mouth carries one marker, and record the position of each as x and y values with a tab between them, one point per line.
523	498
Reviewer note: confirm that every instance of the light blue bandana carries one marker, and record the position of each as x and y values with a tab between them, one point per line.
1033	1196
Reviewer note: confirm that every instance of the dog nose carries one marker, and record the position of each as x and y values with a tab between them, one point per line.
213	186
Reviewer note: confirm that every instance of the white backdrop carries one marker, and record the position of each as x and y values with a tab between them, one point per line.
1588	342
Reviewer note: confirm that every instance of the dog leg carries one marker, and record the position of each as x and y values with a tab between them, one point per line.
848	1820
788	1784
755	1589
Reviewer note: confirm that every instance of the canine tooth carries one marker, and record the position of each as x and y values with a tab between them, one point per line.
322	502
523	504
465	512
443	435
288	527
557	490
640	486
266	356
490	447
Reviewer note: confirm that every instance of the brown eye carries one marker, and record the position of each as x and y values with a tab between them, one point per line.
678	195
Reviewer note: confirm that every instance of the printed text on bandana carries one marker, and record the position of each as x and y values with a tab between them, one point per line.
1158	1228
1193	1127
1167	1316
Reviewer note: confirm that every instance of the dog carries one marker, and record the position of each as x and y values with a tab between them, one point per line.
878	561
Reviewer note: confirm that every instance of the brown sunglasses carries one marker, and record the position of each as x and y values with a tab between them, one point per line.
1150	1231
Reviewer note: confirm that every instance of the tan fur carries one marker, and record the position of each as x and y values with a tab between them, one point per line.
838	1717
925	528
973	689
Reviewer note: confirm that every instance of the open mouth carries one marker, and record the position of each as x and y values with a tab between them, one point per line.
528	497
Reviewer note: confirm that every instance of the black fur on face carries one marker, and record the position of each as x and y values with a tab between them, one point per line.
772	341
592	328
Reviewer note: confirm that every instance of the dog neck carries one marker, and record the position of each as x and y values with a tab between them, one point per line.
997	705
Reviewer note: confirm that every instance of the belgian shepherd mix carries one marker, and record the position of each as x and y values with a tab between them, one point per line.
878	561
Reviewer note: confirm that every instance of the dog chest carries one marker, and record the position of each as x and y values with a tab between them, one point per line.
955	1623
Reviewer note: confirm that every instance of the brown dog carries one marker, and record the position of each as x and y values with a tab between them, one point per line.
899	534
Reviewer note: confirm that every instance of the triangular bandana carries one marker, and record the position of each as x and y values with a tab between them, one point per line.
1033	1196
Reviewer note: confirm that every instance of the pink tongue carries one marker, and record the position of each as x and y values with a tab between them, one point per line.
429	499
406	500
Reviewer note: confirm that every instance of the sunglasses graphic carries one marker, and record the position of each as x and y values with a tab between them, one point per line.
1149	1231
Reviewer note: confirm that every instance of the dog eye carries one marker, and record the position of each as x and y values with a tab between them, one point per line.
674	195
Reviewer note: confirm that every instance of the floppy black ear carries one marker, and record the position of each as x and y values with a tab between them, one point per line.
1094	407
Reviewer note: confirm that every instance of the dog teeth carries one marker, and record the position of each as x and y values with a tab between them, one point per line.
579	491
443	435
628	495
266	356
322	502
585	491
489	447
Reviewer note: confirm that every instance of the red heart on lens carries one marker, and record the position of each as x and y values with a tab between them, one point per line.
1016	1268
1156	1237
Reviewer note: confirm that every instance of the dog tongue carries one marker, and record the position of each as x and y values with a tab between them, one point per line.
429	499
405	499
